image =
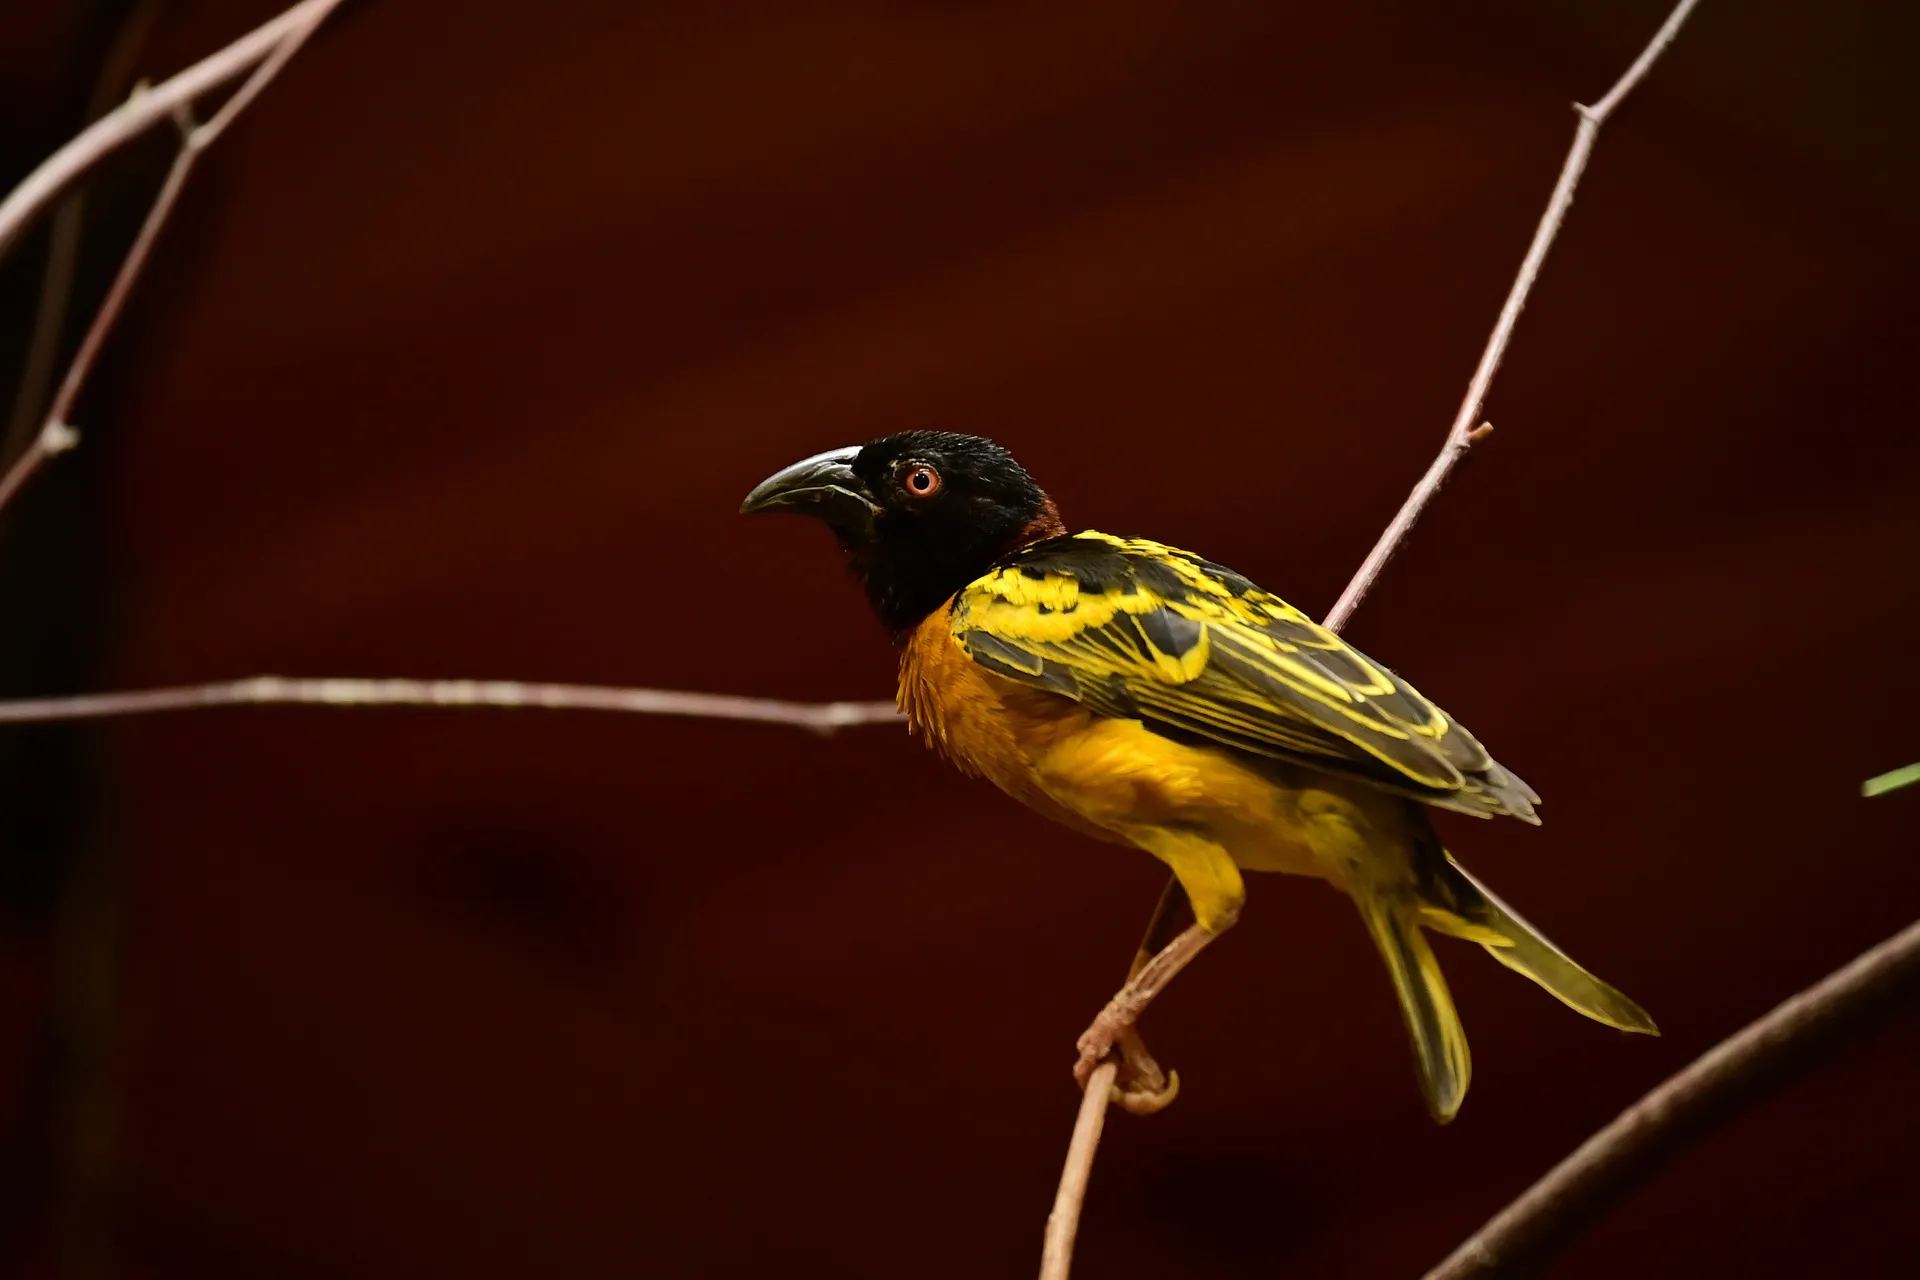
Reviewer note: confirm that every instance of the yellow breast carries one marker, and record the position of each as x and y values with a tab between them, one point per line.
988	727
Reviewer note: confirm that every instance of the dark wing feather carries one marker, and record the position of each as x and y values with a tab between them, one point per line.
1138	630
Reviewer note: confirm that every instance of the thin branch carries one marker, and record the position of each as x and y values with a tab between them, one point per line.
1056	1254
291	30
263	53
156	106
53	438
1733	1074
1063	1223
262	691
1463	434
50	319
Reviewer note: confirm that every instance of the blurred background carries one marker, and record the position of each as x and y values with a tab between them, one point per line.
457	360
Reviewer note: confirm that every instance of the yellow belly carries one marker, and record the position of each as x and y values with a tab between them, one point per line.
1121	776
1120	781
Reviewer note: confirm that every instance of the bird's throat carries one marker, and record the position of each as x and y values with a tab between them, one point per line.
907	579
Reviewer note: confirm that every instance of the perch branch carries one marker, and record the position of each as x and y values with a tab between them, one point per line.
1056	1254
1463	434
1063	1222
264	51
261	691
1736	1072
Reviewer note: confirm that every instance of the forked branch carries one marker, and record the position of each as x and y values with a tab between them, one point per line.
152	107
263	51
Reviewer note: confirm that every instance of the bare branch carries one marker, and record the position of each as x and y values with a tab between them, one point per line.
264	52
1063	1223
262	691
1056	1255
1736	1072
1461	436
289	31
144	111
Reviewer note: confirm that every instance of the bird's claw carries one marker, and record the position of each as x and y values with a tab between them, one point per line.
1096	1042
1146	1101
1139	1086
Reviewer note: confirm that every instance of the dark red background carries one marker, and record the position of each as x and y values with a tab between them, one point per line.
463	349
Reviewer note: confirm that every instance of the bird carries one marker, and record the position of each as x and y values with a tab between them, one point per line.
1144	696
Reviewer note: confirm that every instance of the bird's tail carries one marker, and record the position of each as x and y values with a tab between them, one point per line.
1439	1041
1455	903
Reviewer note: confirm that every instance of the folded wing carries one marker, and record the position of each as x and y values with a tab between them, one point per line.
1138	630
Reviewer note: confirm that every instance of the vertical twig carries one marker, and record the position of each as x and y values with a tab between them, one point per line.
63	245
1063	1223
88	936
83	1084
1056	1253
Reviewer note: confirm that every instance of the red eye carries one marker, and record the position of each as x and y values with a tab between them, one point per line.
921	480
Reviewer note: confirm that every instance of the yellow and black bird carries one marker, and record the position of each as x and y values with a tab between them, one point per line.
1145	696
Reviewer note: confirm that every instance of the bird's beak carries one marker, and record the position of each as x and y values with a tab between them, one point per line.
822	486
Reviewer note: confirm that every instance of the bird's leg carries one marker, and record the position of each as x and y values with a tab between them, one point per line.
1126	1006
1142	1087
1211	884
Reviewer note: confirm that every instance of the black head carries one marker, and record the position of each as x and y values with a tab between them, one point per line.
921	513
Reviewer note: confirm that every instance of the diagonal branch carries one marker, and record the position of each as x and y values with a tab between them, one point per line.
263	52
1463	435
1736	1072
1063	1223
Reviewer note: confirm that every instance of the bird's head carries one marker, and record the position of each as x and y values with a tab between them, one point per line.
921	513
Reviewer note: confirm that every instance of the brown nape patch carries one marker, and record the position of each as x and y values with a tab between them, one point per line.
1045	524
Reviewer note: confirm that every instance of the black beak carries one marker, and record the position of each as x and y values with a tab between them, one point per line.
822	486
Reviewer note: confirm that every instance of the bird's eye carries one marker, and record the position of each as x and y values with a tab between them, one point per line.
920	480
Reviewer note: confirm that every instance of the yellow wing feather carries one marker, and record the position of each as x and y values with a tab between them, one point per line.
1140	630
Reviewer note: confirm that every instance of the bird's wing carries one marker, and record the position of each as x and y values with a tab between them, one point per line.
1138	630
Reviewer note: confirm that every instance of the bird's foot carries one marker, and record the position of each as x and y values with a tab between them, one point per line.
1097	1040
1140	1086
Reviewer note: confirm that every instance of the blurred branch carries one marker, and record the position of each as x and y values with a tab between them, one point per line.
63	244
259	691
1891	781
81	1090
1063	1223
264	52
1734	1074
